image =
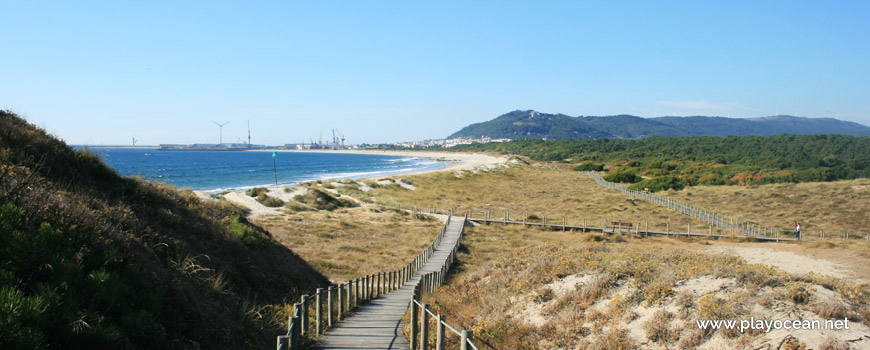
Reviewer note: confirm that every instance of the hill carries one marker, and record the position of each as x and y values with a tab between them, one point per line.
536	125
90	259
672	162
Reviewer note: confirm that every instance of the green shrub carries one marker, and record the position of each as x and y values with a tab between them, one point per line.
356	193
590	166
321	200
257	191
623	175
272	202
660	183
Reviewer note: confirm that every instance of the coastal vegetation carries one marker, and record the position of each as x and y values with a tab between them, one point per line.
692	161
337	242
90	259
525	288
555	190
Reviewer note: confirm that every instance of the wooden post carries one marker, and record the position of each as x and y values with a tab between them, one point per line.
710	230
283	343
646	227
668	228
304	324
341	295
465	337
329	306
318	311
439	333
379	284
424	327
564	223
415	314
689	229
296	335
584	225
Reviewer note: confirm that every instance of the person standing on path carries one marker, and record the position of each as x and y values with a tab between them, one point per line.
797	230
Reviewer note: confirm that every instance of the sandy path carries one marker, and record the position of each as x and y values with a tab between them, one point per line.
791	262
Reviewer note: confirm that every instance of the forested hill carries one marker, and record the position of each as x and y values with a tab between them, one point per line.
536	125
677	161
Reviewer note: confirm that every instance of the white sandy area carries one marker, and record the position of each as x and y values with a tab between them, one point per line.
458	161
794	263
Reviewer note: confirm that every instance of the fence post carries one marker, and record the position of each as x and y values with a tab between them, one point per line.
465	337
584	225
668	228
296	335
283	343
424	327
303	329
379	283
415	314
329	306
439	333
688	229
318	311
341	295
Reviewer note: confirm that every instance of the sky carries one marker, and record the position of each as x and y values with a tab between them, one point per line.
104	72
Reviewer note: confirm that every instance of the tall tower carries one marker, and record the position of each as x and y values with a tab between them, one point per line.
249	133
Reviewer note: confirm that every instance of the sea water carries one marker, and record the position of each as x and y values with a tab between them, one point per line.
229	170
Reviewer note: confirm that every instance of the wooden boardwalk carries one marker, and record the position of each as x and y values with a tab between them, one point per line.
378	324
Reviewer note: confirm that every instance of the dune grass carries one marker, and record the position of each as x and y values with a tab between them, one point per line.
505	276
90	259
552	190
819	206
351	242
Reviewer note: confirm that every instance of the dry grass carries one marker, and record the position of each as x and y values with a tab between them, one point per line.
500	266
819	206
552	190
348	243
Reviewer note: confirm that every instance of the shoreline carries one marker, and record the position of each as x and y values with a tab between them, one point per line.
458	161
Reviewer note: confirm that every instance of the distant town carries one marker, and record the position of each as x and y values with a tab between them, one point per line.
336	144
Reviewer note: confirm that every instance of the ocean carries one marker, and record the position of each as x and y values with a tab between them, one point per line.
229	170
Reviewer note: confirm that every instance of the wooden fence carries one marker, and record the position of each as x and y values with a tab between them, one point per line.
317	312
421	314
747	227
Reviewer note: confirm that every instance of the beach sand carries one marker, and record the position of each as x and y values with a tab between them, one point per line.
458	161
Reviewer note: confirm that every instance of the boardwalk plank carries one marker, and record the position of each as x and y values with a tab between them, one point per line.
378	324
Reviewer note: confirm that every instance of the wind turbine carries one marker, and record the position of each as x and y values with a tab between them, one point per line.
222	130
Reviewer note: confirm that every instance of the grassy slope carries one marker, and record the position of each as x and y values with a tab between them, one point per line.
631	293
89	259
335	242
819	206
500	265
550	189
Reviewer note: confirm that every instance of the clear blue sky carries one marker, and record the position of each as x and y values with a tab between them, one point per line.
97	72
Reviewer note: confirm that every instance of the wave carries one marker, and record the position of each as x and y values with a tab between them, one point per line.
402	159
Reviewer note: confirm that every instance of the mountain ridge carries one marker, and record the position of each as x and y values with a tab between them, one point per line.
530	124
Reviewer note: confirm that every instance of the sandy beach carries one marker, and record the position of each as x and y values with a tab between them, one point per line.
458	161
